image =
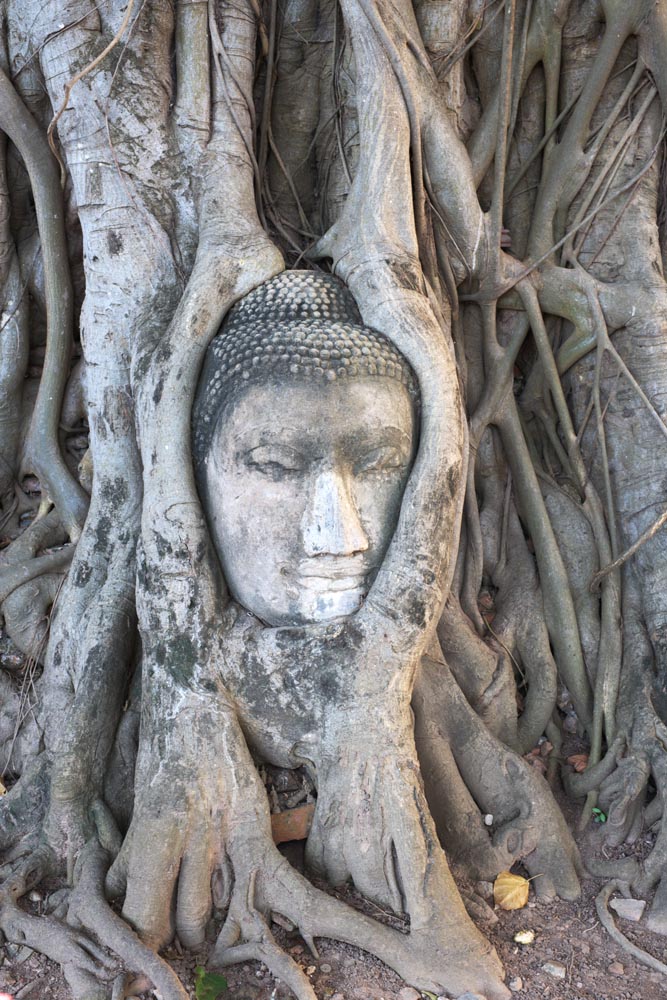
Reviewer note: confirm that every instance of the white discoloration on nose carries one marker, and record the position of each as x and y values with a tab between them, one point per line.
330	523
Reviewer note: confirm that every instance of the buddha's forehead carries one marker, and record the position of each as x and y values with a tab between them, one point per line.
318	416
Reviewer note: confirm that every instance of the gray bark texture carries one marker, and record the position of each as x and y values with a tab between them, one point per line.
489	181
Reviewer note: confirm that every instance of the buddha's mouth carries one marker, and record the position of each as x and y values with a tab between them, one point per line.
333	586
334	575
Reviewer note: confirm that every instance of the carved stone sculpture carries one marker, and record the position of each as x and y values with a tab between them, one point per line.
305	431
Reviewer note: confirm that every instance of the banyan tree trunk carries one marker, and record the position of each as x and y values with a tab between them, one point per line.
488	182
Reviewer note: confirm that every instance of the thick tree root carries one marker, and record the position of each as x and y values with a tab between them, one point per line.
84	963
89	909
258	944
427	957
491	779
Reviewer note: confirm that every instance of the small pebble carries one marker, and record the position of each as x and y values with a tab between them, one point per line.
407	993
470	996
555	969
488	819
585	948
516	984
325	968
616	969
310	971
629	909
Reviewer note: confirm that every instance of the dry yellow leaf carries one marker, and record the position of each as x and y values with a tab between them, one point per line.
3	790
510	892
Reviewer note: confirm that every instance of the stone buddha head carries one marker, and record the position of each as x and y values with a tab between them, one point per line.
305	430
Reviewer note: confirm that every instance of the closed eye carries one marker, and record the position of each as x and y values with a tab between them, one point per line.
384	459
274	461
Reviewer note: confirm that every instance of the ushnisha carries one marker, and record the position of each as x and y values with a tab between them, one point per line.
300	324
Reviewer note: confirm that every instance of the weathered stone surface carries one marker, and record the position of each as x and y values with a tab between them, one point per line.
321	462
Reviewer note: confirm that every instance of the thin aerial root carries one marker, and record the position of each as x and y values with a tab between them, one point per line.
69	86
617	563
607	921
42	449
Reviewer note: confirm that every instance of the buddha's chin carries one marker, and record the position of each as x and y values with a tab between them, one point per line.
306	603
328	605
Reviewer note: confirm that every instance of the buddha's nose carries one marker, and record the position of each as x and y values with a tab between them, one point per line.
330	523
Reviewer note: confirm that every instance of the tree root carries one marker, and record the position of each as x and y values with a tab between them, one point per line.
607	921
258	944
427	957
43	447
22	809
88	908
527	823
83	961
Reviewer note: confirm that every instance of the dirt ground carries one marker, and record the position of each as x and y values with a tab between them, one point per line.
592	966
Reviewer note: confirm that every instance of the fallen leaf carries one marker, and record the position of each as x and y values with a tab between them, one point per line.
3	790
208	985
579	761
510	892
524	937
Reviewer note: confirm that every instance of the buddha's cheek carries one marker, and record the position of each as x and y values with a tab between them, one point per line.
257	534
378	500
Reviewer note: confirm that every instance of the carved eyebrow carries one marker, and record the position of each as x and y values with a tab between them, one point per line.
270	451
384	435
266	437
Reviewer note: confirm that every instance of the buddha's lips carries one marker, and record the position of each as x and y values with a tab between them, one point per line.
333	576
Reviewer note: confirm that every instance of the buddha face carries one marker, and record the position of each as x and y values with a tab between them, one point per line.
303	484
